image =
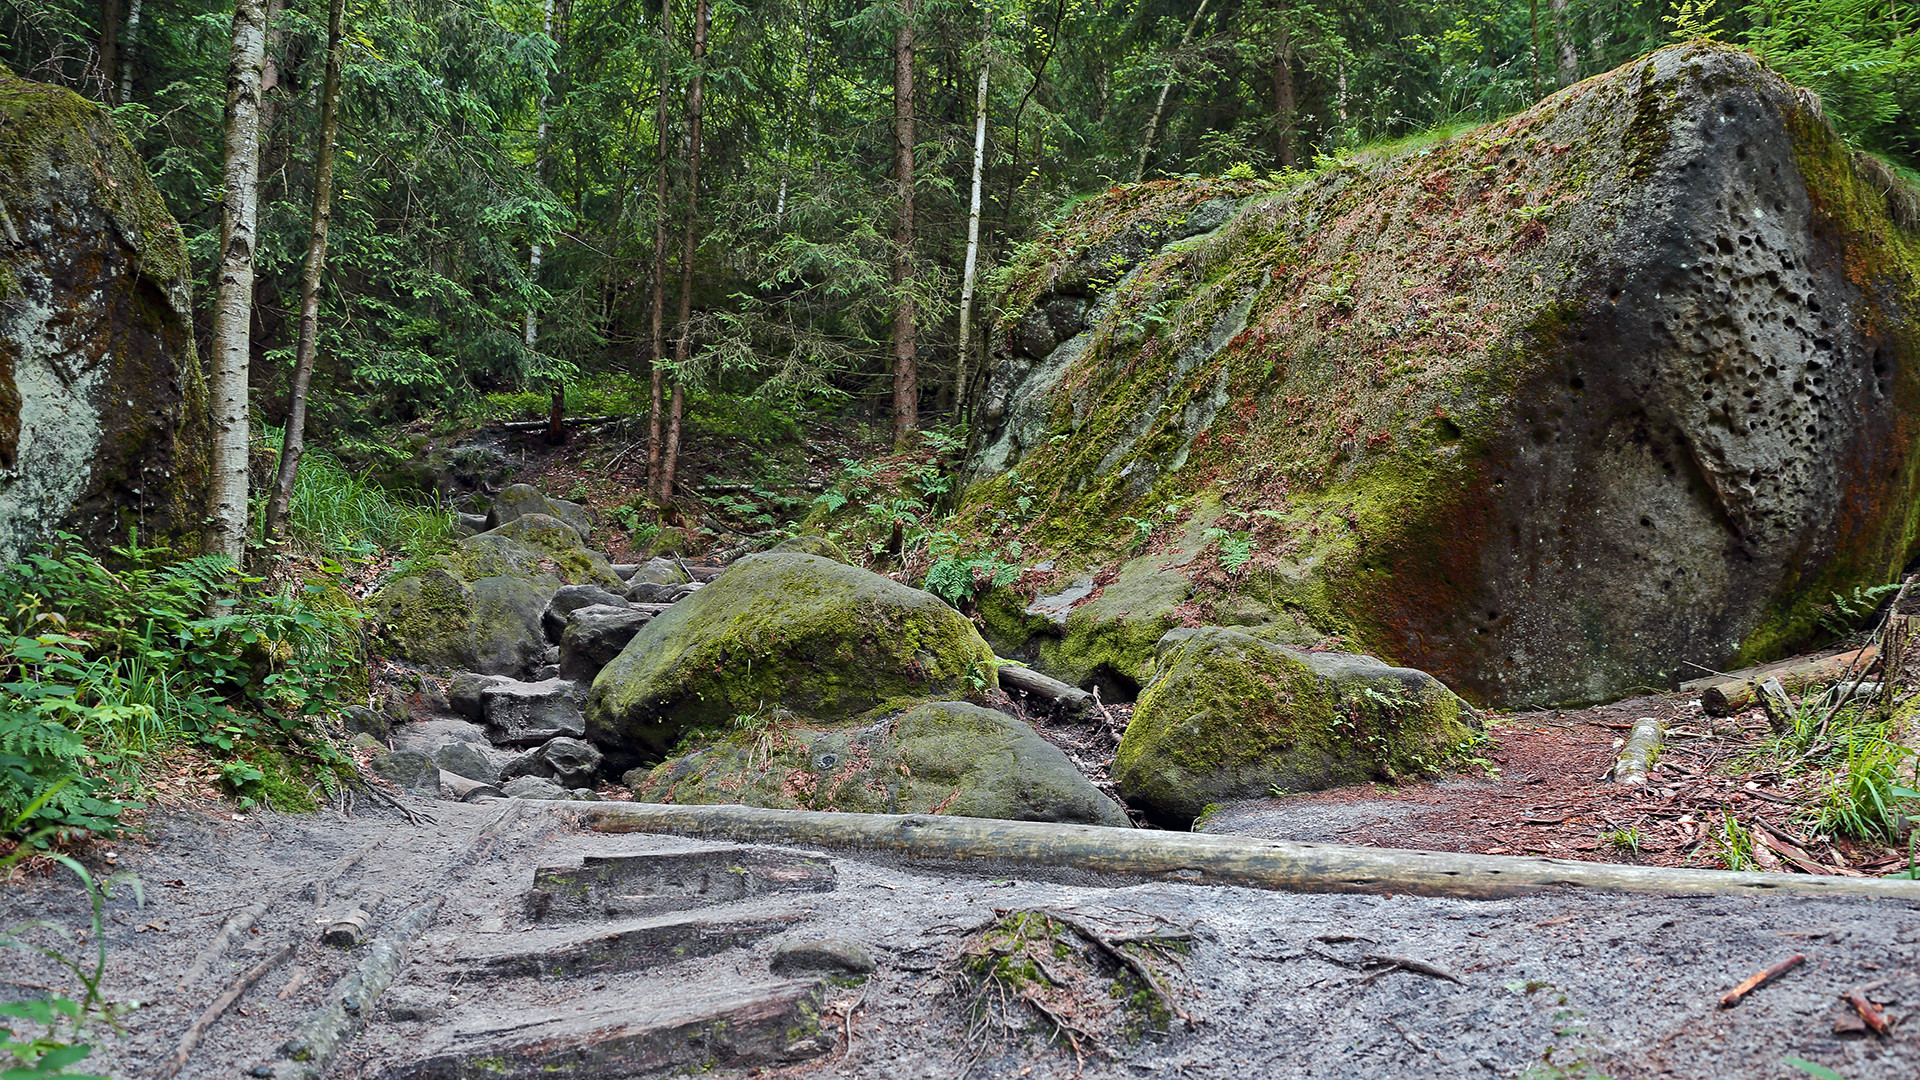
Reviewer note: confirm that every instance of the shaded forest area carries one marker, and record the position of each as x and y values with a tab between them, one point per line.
773	198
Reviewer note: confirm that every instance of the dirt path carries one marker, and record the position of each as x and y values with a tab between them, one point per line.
1630	985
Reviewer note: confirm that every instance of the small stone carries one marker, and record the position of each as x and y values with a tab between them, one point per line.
363	741
573	762
822	954
534	787
545	672
411	1006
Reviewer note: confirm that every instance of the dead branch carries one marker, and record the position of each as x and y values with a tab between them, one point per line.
1760	978
220	1005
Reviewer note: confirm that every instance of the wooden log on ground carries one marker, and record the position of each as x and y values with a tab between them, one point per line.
1724	696
1203	858
1015	676
1642	749
346	931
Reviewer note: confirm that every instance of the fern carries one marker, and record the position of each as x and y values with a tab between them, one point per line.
1846	613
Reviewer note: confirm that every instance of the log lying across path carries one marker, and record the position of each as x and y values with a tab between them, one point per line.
1724	695
1208	859
1016	676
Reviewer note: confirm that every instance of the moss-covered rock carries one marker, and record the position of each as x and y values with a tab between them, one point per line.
1545	408
1232	716
672	541
828	641
103	406
811	545
516	501
944	757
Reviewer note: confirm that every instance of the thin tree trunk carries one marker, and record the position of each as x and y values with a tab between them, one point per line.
1283	104
1563	40
683	348
557	403
973	227
1160	106
654	418
1533	44
125	52
906	375
233	297
294	441
109	50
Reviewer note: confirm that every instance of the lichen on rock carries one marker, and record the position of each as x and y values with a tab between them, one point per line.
1545	408
825	640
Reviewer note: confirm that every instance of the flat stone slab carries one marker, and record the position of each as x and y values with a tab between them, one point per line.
521	713
653	884
600	949
608	1035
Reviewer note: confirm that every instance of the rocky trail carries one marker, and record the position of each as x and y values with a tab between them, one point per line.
519	941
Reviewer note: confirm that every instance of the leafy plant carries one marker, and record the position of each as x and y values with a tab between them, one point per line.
1868	799
1845	613
957	579
1736	845
1236	548
1627	840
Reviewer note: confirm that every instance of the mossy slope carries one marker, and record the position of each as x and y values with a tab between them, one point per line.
1546	408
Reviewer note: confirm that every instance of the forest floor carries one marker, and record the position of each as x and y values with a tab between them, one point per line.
1554	984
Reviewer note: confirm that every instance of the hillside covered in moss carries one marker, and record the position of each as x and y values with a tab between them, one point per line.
1548	408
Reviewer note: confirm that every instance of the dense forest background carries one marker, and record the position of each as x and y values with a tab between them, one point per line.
500	222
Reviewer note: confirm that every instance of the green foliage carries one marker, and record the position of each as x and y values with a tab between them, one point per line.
101	667
1812	1068
1868	799
1236	548
956	578
1625	840
1736	844
339	514
1860	56
1693	20
1846	613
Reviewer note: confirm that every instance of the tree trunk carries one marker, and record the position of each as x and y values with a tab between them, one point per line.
233	296
654	417
109	50
294	443
1533	45
906	375
1563	42
973	228
530	333
1160	106
1283	105
125	51
683	347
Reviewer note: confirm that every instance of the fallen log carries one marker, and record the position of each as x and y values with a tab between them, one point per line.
1203	858
1727	694
1017	676
1642	749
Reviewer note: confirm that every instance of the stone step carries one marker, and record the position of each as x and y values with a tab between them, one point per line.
629	885
600	949
610	1035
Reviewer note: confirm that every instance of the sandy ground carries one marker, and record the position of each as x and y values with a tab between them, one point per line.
1627	985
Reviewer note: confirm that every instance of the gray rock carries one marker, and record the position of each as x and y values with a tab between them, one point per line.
545	672
571	598
594	636
660	571
363	741
358	719
534	787
464	690
455	786
624	570
470	524
569	762
408	770
433	696
428	736
468	760
811	545
837	955
524	713
518	500
653	592
412	1005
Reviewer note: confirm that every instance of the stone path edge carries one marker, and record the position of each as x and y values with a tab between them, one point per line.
1210	859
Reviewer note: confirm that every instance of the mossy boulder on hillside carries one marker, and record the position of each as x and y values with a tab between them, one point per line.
1233	716
811	545
516	501
103	405
480	607
945	757
1546	408
828	641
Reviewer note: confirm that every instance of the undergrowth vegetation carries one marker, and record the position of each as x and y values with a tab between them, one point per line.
106	667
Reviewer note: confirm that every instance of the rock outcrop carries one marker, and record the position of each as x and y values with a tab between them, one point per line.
103	406
1546	408
827	641
944	757
1232	716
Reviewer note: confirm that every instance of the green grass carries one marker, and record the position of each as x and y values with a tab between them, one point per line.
337	513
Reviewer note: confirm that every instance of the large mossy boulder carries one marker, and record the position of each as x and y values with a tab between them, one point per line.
1546	408
103	406
1233	716
825	640
480	607
516	501
945	757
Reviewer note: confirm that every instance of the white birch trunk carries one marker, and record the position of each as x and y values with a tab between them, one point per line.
233	295
127	42
973	235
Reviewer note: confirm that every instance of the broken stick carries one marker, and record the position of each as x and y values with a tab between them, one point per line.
220	1005
1869	1015
1760	978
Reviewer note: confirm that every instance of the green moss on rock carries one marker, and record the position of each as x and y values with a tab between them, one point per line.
1231	716
944	757
825	640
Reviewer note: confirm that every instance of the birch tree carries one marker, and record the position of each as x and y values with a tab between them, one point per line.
233	299
973	221
293	442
